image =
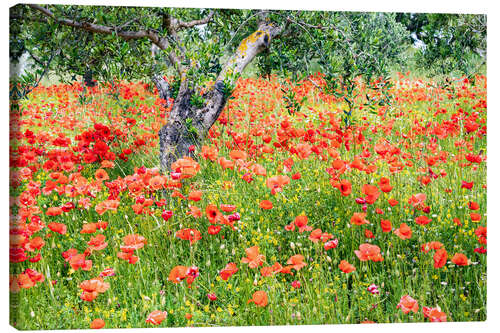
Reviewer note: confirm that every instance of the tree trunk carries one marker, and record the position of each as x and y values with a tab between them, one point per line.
188	125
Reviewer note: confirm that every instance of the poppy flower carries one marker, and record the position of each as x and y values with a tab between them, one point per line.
403	232
467	185
107	272
368	252
422	220
460	259
386	225
254	259
417	200
345	187
228	271
359	219
431	246
277	183
194	212
385	185
186	166
473	205
213	213
331	244
266	204
92	288
393	202
209	152
301	223
133	242
101	175
97	243
475	217
192	235
54	211
36	243
166	214
297	262
315	235
88	228
440	258
238	155
371	193
156	317
214	229
481	233
259	298
346	267
60	228
78	261
97	323
407	304
177	274
434	314
195	195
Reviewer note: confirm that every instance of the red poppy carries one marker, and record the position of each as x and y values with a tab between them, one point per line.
301	223
156	317
460	259
60	228
259	298
434	314
422	220
407	304
297	262
386	225
97	323
440	258
254	259
266	204
359	219
192	235
403	232
368	252
228	271
346	267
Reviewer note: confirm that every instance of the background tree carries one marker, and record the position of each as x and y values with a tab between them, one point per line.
448	42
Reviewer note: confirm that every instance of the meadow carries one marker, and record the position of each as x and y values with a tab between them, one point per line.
281	218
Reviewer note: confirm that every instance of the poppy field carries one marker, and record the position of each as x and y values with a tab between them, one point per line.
279	218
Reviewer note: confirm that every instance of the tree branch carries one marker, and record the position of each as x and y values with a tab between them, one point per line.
97	28
162	43
178	24
247	50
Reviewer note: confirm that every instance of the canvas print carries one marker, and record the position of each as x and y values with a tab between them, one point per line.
186	167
